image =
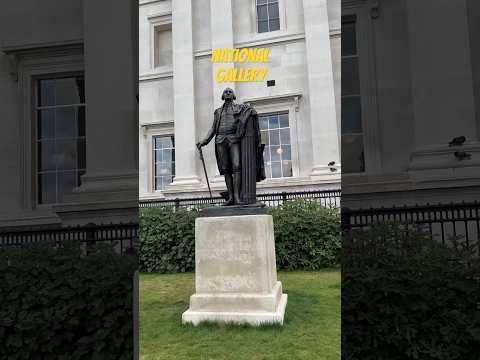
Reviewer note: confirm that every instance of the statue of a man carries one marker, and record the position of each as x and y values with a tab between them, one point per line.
238	148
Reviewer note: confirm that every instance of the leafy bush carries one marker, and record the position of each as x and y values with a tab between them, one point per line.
405	296
307	237
56	304
167	240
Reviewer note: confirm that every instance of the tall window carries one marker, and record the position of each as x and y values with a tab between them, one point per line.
61	156
163	50
275	131
164	160
268	18
353	158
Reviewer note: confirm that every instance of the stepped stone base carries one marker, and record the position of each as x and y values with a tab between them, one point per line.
236	278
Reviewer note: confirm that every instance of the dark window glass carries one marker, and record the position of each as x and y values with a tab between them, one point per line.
61	149
349	39
353	158
350	77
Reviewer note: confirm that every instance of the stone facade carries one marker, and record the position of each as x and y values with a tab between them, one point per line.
178	96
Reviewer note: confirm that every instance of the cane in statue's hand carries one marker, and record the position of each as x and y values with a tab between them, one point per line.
199	147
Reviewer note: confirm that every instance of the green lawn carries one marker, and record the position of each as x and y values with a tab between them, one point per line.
311	329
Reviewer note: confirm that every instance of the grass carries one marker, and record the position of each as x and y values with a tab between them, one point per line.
311	328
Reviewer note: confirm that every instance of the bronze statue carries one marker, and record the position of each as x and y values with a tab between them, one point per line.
238	149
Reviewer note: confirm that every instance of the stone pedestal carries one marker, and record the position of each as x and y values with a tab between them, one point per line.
235	274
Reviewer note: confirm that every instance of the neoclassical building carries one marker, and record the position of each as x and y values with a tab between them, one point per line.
410	84
298	102
68	128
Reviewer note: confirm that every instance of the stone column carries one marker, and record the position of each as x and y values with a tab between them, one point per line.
184	97
109	188
442	88
325	144
222	37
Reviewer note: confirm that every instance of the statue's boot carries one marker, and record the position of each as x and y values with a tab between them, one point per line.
237	184
229	182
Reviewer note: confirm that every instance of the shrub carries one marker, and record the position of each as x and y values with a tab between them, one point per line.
56	304
307	235
167	240
405	296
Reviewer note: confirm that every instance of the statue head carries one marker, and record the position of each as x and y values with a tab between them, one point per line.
228	94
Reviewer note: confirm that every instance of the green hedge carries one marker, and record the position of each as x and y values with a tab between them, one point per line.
407	297
56	304
167	240
307	237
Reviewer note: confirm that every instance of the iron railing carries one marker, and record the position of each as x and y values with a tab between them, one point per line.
122	237
330	198
442	222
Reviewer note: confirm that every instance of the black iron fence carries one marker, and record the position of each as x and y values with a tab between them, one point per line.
122	237
443	222
330	198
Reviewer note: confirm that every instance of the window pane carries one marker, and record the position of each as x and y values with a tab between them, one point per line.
274	25
158	183
158	155
262	13
268	171
67	91
65	122
66	154
275	153
350	78
262	26
286	152
283	120
263	120
352	154
67	181
167	156
349	41
260	2
276	170
46	124
266	154
273	121
47	188
285	136
265	138
273	11
275	137
287	168
351	115
46	93
46	155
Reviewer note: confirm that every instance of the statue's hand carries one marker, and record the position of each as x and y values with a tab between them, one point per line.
200	144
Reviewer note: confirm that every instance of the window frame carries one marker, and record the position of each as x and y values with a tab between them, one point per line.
35	108
290	104
254	18
154	170
158	21
31	64
149	131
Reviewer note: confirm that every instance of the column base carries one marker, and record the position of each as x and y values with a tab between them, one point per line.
102	198
326	173
184	183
